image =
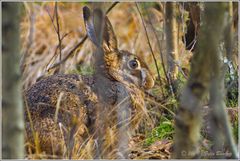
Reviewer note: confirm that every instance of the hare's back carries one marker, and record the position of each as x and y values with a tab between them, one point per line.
62	97
70	92
48	89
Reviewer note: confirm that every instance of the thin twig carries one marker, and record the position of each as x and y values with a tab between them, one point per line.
160	50
58	32
55	52
69	54
154	58
52	20
79	43
169	82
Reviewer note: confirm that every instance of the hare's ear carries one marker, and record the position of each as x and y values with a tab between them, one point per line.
94	23
109	37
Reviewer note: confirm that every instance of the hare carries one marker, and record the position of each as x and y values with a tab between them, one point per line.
65	110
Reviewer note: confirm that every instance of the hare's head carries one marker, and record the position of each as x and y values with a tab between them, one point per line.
121	65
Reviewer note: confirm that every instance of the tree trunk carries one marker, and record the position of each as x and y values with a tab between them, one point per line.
171	39
12	113
204	70
219	121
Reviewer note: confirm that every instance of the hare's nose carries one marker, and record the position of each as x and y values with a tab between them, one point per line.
147	80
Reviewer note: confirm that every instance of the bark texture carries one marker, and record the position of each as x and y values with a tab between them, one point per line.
172	39
12	111
219	120
204	76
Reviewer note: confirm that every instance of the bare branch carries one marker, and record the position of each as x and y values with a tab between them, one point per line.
80	43
52	20
58	32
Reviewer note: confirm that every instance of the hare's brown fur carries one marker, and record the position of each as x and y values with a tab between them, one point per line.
78	101
63	109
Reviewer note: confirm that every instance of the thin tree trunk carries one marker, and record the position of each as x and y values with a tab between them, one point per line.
205	62
171	39
219	121
13	124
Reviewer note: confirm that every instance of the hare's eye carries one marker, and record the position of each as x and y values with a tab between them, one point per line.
133	64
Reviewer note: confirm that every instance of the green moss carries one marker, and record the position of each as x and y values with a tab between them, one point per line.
231	86
163	131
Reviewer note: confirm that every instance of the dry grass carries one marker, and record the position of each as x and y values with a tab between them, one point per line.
40	40
40	51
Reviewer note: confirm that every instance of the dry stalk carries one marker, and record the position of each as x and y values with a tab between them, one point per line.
149	44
